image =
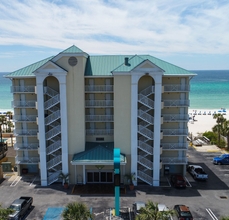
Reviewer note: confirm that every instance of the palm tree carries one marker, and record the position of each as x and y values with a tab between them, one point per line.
4	213
76	211
9	114
2	123
151	212
9	125
226	132
218	128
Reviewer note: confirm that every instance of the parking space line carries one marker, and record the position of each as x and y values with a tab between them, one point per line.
189	184
212	215
168	182
16	181
31	184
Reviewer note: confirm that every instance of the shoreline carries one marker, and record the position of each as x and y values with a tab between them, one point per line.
202	123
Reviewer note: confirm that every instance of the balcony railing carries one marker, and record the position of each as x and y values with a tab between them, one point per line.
174	160
175	146
26	132
175	117
27	160
54	162
99	88
23	89
29	146
145	162
147	91
28	118
99	131
175	132
54	177
176	103
99	118
176	88
99	103
24	104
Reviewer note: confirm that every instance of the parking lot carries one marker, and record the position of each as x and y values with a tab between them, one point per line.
205	199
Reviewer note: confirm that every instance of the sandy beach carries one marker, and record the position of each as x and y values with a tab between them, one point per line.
202	122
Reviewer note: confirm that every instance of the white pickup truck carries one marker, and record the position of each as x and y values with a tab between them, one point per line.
197	172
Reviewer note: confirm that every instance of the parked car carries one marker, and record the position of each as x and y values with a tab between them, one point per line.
178	181
222	159
20	207
183	212
197	172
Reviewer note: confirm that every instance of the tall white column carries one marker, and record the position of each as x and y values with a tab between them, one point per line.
157	129
41	126
64	123
134	125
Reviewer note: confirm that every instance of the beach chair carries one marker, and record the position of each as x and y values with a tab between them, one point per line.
204	113
209	113
199	113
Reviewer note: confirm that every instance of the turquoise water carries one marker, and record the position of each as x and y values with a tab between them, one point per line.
6	96
209	90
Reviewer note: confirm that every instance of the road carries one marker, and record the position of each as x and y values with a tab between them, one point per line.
205	199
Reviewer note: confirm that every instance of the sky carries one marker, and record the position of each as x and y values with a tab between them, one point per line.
193	34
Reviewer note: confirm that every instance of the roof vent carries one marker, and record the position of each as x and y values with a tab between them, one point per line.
127	61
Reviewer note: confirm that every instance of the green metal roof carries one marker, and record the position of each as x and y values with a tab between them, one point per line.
133	62
72	49
104	65
98	154
28	70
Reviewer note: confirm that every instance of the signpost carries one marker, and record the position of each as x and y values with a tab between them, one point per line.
117	179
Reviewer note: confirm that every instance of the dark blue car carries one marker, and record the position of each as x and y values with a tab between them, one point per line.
222	159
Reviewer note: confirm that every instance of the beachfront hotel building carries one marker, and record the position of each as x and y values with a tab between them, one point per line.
71	110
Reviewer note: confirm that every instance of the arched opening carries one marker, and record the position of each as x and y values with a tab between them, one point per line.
146	97
52	128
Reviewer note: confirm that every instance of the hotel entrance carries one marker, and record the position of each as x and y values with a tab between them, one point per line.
95	176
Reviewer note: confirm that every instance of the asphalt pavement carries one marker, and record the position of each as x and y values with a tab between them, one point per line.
205	199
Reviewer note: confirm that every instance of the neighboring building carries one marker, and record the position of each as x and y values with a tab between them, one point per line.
72	109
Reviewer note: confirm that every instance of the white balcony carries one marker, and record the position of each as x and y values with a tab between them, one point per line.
24	118
25	132
99	88
29	146
175	132
174	146
27	160
176	88
175	117
176	103
23	89
24	104
99	118
99	103
174	160
99	131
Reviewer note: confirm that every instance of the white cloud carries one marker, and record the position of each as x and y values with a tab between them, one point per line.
117	26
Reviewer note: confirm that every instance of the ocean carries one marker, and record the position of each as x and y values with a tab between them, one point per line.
209	90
